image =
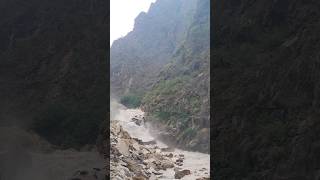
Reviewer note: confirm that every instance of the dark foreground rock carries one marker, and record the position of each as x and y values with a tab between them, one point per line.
265	60
53	60
93	174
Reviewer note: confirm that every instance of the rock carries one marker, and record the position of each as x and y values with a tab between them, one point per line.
125	135
96	169
153	177
138	178
123	146
168	149
159	156
170	155
135	146
147	166
157	173
203	178
179	160
130	158
83	173
202	169
181	174
167	164
176	169
137	121
94	174
149	142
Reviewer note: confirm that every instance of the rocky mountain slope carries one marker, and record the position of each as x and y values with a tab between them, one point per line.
265	62
169	70
53	67
137	58
180	98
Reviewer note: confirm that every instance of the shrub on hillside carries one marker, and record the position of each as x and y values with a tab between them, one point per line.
131	101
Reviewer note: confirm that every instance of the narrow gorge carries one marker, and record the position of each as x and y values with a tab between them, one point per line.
160	74
162	66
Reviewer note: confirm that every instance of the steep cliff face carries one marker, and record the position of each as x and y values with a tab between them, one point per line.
137	58
53	53
180	98
265	62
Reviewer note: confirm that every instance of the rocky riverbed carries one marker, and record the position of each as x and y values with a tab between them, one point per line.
135	154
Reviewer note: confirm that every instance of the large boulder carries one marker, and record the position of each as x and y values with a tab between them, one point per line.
181	174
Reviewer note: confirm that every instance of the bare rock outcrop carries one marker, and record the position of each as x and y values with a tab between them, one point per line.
129	158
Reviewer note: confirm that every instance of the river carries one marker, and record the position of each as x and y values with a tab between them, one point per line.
197	163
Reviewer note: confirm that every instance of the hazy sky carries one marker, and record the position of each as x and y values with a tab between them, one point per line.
122	15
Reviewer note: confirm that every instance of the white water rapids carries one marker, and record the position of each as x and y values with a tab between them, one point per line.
197	163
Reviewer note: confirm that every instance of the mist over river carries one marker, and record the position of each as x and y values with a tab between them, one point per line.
197	163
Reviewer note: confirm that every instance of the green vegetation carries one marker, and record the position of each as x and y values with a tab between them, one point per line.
162	115
195	103
131	101
189	132
169	115
166	87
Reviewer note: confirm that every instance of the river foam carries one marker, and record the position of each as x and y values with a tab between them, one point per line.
197	163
